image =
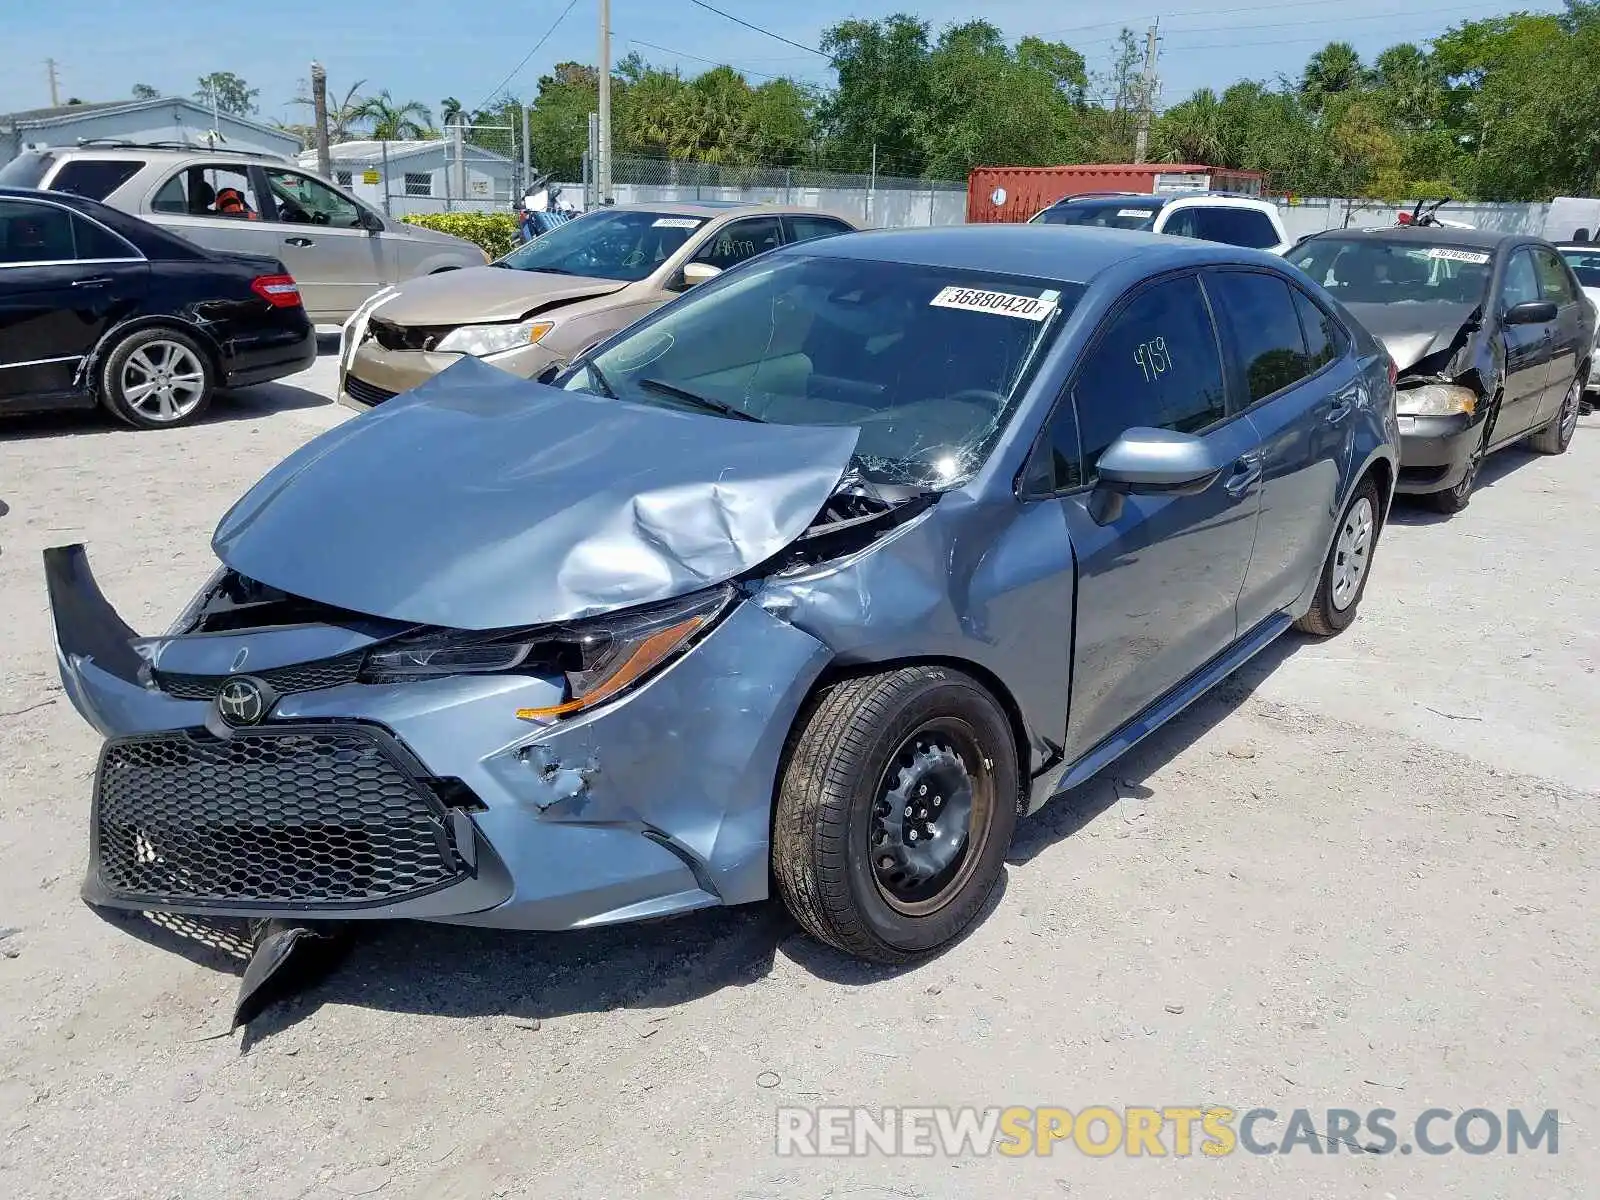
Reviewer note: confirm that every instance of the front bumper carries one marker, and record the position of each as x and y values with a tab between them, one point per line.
373	374
1434	452
430	799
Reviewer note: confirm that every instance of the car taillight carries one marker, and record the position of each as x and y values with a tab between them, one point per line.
1394	373
280	291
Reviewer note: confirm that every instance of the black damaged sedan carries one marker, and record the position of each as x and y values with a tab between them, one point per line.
1490	332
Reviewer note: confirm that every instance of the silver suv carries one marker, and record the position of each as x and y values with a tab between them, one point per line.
339	250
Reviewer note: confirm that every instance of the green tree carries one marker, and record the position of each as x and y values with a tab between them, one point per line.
143	91
227	92
1334	69
344	114
392	120
878	108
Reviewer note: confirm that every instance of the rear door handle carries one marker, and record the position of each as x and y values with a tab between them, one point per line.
93	281
1340	410
1246	470
298	241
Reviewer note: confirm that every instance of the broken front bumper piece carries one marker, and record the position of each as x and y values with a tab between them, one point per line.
427	799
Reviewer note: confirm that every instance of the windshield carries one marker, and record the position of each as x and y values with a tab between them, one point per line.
925	361
609	244
1119	212
1376	271
1585	264
26	170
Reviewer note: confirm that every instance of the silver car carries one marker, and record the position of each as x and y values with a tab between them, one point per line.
339	250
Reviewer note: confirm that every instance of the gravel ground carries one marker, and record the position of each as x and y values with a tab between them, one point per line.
1357	876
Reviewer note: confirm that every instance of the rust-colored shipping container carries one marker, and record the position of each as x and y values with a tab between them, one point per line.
1017	193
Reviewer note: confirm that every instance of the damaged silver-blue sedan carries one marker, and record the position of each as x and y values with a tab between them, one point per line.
817	579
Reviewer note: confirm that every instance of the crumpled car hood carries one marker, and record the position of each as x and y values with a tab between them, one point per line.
479	294
1411	332
484	501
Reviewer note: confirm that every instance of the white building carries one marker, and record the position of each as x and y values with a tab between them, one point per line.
439	175
169	119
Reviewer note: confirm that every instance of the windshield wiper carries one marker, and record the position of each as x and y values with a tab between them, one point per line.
702	402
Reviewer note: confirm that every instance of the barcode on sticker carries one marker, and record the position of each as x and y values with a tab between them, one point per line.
1466	256
1007	304
677	222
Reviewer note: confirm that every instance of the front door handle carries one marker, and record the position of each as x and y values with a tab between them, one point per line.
1246	470
93	281
298	241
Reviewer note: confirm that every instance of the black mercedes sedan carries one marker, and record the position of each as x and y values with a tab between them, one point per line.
101	308
1490	332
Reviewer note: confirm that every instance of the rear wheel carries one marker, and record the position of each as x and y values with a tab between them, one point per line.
895	811
1555	437
1344	574
157	378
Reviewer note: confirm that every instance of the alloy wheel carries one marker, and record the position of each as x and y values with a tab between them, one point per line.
163	381
931	818
1353	552
1569	410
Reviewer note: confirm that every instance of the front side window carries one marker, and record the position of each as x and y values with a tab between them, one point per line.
226	192
1554	285
94	178
739	240
1156	364
925	361
804	228
1585	264
1394	270
302	200
608	243
1260	311
1521	284
1121	212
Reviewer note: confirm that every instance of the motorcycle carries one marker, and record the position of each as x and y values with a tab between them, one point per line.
541	209
1426	214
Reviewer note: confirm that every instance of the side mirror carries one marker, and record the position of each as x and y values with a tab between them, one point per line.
698	272
371	222
549	374
1531	312
1150	462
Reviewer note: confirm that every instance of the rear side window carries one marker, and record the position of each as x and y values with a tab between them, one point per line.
95	178
1156	364
1324	338
43	233
1234	226
805	228
1260	312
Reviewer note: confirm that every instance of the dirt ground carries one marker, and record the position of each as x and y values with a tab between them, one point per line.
1359	875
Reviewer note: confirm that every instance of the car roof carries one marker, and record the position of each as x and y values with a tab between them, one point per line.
1429	235
714	208
113	149
1061	252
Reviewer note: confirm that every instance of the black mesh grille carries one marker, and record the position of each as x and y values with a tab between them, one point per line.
305	815
302	677
363	392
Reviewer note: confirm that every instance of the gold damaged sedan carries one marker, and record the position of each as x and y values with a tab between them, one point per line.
554	297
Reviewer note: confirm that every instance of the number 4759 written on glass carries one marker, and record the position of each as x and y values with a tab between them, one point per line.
1153	358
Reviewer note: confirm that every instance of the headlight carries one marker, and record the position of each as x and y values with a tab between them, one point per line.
600	658
1436	400
479	340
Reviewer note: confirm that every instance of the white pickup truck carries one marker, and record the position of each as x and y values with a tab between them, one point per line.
1212	216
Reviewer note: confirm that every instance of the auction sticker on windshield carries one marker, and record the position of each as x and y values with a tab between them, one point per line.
677	223
1133	212
1007	304
1466	256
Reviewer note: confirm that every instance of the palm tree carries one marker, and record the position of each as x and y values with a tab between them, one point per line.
1192	132
393	122
1333	69
451	111
342	116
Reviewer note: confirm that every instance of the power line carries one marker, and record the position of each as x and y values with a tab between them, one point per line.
758	29
499	87
1415	12
697	58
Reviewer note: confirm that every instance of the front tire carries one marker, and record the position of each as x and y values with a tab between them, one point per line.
1343	580
895	809
157	379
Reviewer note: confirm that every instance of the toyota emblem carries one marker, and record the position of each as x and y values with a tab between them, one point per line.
242	702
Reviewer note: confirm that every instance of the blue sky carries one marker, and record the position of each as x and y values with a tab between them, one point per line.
424	52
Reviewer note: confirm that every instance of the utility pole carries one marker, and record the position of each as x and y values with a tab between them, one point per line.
1147	96
602	166
319	105
55	90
